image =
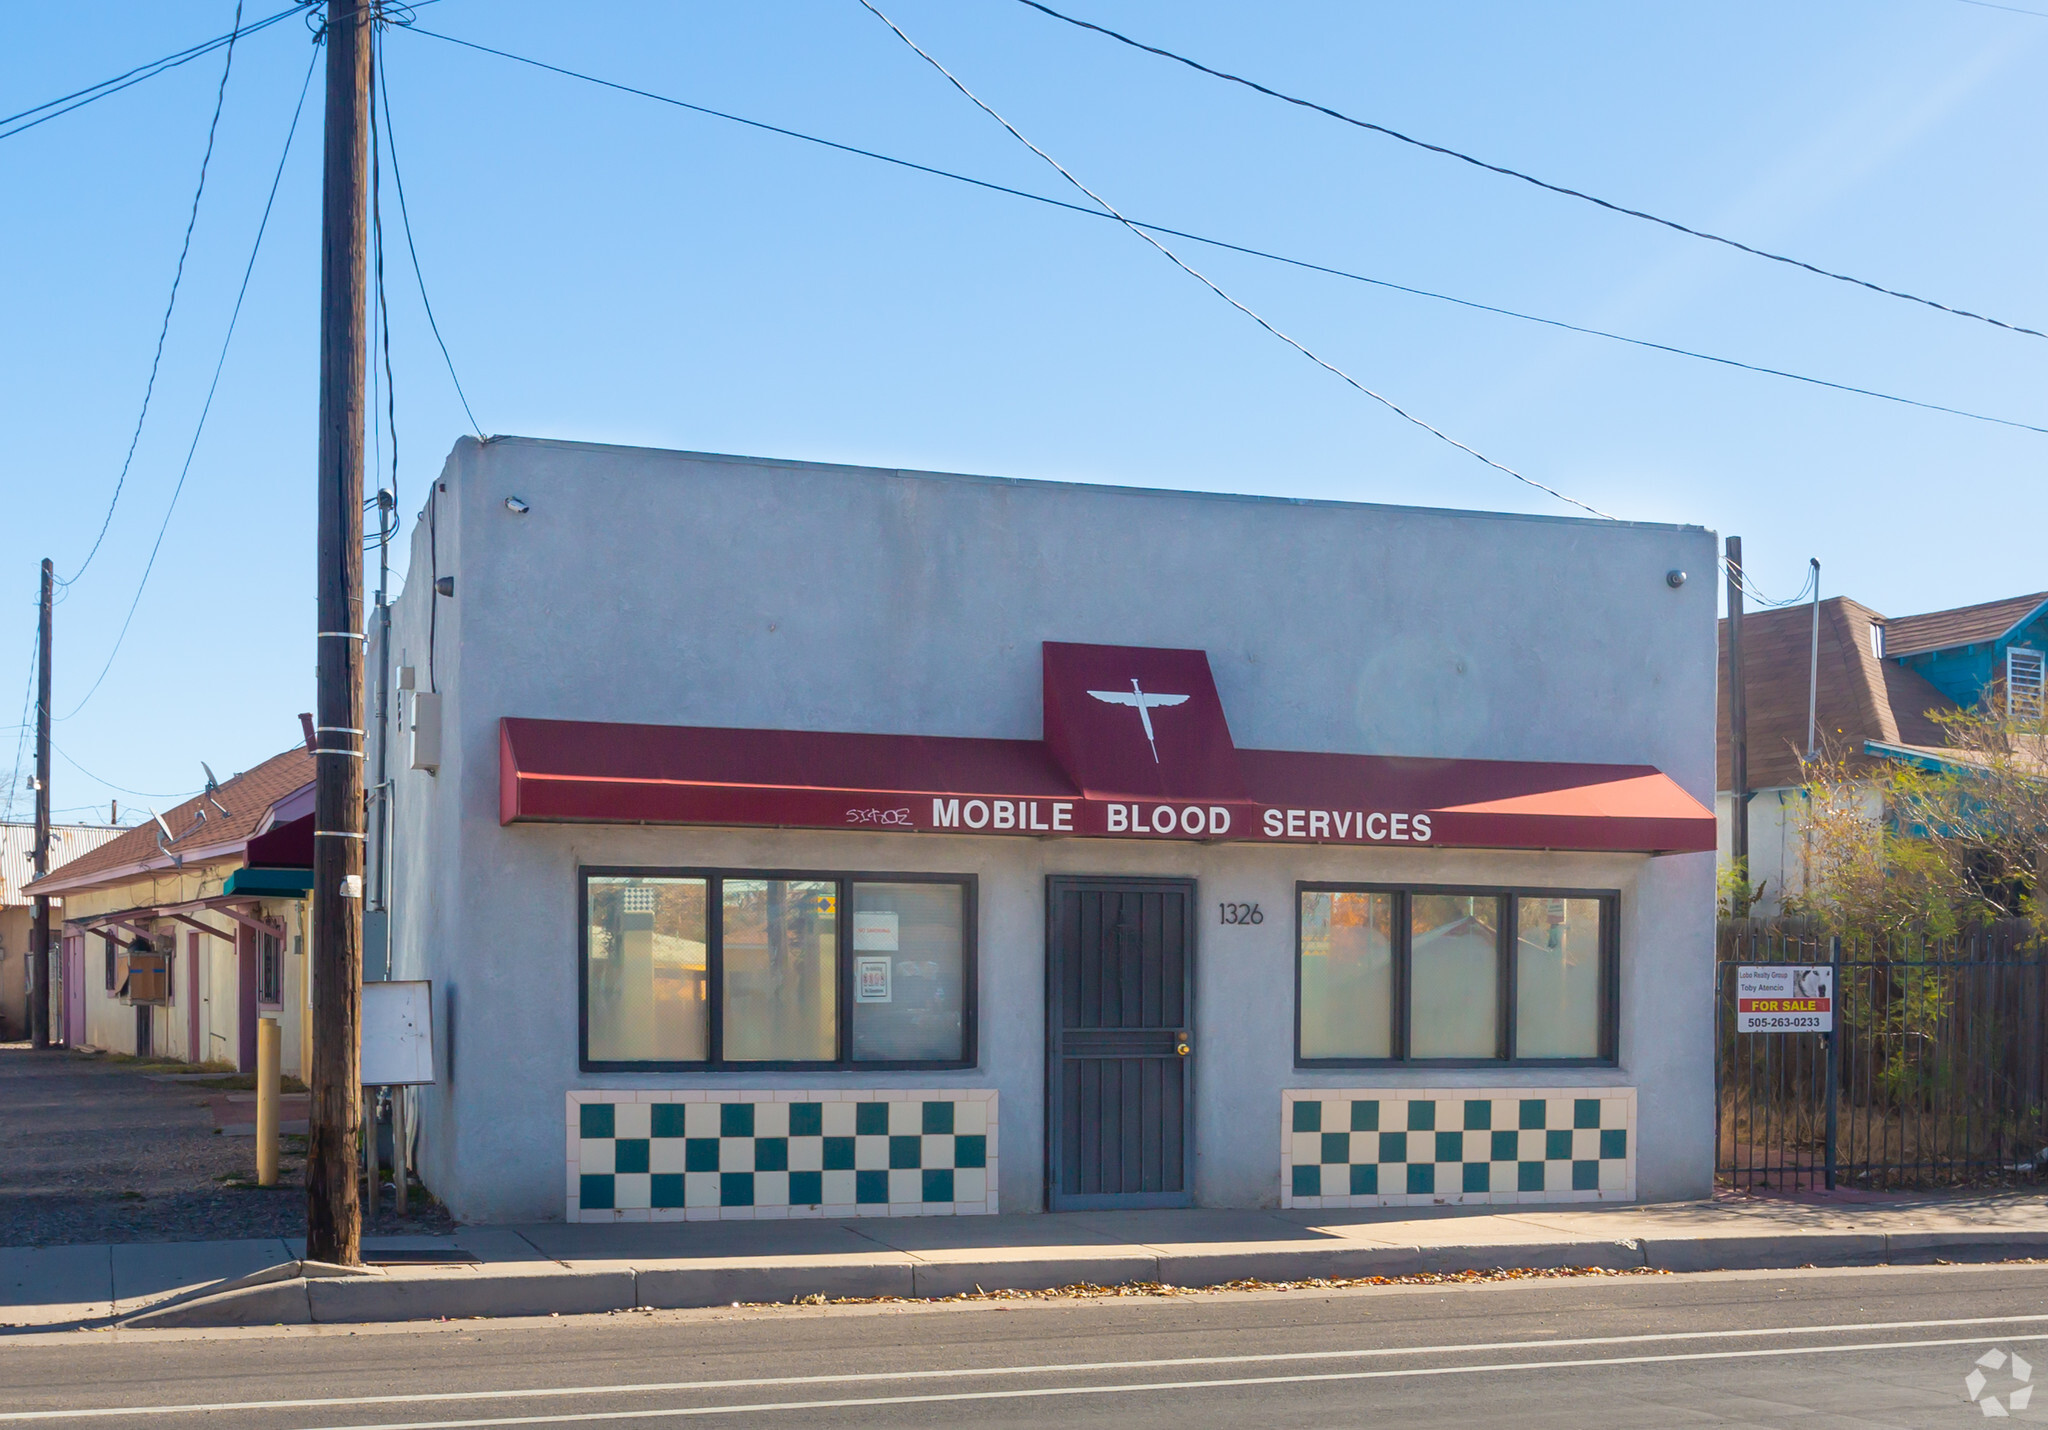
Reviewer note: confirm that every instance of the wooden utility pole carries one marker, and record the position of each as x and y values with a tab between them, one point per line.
333	1213
39	938
1813	670
1738	735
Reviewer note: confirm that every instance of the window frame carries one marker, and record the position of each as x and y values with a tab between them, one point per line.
1505	985
714	970
270	970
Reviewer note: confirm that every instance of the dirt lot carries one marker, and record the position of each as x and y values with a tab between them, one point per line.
92	1150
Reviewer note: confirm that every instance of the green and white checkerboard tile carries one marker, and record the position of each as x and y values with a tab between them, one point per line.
1457	1146
736	1155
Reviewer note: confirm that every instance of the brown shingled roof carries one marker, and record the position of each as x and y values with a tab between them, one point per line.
1965	625
1861	697
246	798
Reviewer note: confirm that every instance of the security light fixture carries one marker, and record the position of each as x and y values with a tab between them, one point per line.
445	586
1674	579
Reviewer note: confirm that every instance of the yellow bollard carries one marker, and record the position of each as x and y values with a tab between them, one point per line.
267	1094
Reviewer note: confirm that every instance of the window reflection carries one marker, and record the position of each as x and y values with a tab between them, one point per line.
781	953
1557	978
1454	962
646	972
1347	975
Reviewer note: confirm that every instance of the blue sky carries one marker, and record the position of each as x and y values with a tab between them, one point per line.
611	269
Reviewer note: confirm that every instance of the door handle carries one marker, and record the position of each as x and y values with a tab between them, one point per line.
1180	1045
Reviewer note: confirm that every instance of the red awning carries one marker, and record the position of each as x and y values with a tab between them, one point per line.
565	770
558	770
1486	804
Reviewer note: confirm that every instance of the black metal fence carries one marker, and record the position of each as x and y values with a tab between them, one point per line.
1936	1073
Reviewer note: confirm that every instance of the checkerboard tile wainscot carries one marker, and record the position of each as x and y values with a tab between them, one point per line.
734	1155
1457	1146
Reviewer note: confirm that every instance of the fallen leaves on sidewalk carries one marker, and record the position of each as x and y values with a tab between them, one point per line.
1088	1290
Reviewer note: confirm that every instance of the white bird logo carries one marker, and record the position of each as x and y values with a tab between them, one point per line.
1144	704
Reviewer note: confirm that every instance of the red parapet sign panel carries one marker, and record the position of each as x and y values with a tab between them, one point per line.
1127	723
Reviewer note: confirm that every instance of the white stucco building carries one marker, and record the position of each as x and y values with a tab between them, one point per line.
785	839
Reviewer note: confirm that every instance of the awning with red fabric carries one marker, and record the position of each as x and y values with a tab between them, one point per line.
1137	747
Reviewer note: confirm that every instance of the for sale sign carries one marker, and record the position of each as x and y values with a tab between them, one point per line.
1799	998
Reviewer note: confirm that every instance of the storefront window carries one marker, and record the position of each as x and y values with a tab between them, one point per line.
781	945
1388	975
909	967
1454	962
710	970
1557	978
1347	974
644	970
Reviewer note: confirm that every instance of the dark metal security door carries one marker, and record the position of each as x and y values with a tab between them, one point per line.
1119	1016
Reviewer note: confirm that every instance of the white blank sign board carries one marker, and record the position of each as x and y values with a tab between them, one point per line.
398	1033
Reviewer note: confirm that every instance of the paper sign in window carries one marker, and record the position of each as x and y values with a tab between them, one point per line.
875	931
871	980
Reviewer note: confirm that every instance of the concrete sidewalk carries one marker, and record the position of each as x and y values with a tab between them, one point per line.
571	1269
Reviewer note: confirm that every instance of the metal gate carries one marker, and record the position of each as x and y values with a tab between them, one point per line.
1119	1009
1934	1075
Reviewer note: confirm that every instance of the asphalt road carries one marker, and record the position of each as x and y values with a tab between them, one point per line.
1879	1347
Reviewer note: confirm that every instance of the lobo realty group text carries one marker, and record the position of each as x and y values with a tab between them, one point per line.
1796	998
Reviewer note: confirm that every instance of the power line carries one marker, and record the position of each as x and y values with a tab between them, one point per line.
1179	263
1741	574
2009	9
1503	170
177	277
28	697
382	311
138	793
405	222
220	363
78	99
1266	254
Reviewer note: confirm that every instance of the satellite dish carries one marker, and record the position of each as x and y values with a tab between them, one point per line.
163	837
212	784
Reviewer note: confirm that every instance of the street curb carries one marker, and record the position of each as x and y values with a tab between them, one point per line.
298	1293
677	1287
433	1297
276	1295
277	1303
1924	1248
1770	1252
